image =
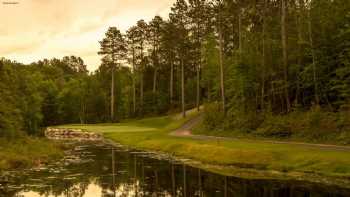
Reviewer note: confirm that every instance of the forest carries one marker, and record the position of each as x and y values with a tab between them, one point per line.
269	66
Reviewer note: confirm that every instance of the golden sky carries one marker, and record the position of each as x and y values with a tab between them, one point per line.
31	30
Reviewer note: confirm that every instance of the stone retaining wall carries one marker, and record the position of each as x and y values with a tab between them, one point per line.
74	134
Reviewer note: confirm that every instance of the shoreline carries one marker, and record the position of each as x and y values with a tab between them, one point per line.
239	158
246	173
225	170
28	152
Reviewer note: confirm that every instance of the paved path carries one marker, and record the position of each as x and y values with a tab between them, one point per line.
185	131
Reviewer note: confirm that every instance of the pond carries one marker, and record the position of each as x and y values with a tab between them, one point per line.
98	169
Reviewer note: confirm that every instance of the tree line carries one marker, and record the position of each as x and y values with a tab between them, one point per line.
242	59
249	57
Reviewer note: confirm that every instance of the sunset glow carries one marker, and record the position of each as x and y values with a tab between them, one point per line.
31	30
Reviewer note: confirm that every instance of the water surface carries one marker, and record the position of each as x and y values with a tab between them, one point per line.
96	169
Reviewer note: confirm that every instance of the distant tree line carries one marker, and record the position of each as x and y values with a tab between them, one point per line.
244	59
47	92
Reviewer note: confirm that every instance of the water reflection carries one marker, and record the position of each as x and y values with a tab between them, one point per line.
101	170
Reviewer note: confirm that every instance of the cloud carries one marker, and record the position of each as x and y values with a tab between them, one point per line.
36	29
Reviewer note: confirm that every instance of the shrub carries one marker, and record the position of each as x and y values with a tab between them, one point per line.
275	126
243	121
313	125
343	121
322	125
213	116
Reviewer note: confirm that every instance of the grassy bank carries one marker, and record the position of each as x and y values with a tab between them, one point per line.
152	134
315	125
27	152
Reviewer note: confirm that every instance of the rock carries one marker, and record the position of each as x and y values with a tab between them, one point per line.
74	134
5	178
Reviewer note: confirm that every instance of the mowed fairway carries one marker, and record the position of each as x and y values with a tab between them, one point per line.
153	134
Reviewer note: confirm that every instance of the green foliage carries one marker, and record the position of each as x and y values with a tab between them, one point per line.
243	121
9	119
314	125
71	98
27	152
213	116
46	93
210	70
279	126
10	114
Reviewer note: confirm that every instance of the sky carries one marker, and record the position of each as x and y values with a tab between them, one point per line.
31	30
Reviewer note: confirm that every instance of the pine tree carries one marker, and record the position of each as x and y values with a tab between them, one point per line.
113	49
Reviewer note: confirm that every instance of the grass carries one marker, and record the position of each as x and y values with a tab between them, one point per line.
152	134
27	152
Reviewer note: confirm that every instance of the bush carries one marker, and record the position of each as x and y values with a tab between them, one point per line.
213	116
275	126
313	125
343	121
324	125
315	117
243	121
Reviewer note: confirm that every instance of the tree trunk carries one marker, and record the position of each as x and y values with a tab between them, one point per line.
134	94
155	81
263	58
82	111
198	66
155	70
222	84
141	91
298	19
273	97
112	95
141	80
240	35
285	54
299	61
317	99
198	88
240	53
171	82
133	83
183	88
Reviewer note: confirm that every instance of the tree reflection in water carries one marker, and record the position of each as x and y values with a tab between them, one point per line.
92	170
